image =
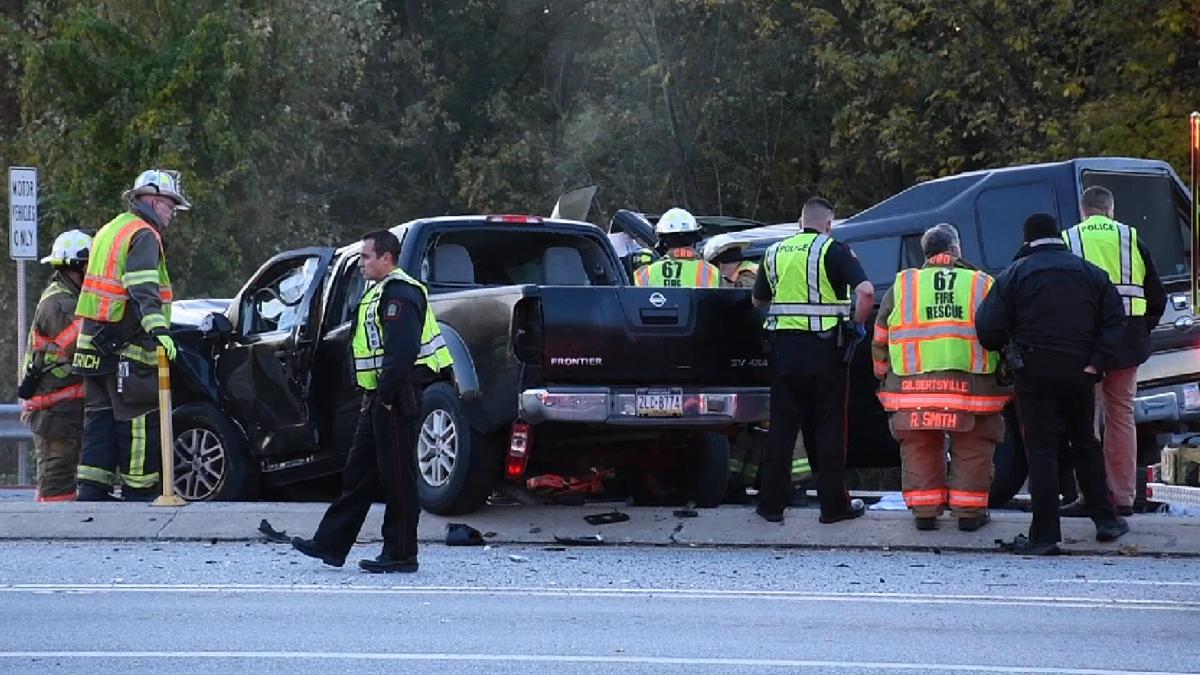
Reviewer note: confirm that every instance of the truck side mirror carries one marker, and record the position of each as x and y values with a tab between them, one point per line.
1184	323
216	325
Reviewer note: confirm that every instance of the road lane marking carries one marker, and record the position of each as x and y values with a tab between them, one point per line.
1126	582
617	593
583	658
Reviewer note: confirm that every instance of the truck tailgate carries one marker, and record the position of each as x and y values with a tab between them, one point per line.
646	336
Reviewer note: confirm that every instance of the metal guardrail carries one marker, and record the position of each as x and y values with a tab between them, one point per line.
11	428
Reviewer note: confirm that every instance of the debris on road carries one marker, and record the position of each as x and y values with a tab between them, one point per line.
585	540
686	513
273	534
517	558
461	534
606	518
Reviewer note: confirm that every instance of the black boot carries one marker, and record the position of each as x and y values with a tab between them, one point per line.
384	563
926	523
309	548
87	491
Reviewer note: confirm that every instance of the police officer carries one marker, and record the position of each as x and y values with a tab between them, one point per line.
1064	321
53	395
1116	248
682	267
126	307
396	346
806	282
937	380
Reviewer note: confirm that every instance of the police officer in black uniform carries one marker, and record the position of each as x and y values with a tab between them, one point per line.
382	453
1060	321
810	336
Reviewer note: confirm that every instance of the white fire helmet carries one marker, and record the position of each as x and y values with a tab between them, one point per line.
70	247
163	182
676	221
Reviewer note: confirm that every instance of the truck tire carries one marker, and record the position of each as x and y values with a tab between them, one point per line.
456	467
212	462
710	474
1009	463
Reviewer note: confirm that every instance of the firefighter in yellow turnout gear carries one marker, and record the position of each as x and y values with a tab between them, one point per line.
938	380
52	394
126	309
682	267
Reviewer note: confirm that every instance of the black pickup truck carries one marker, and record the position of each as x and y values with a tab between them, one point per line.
988	207
559	364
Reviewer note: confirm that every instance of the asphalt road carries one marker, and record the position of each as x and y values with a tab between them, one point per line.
259	607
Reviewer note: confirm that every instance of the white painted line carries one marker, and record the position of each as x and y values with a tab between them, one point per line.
622	593
1126	582
581	658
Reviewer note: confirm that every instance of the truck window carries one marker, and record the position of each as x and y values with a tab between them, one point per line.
1152	204
349	290
1000	213
880	258
277	305
508	256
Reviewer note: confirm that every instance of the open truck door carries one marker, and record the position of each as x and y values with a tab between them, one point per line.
266	366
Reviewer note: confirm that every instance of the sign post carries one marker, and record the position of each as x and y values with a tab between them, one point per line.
22	238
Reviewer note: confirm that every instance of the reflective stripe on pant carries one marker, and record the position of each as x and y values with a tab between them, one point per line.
57	459
923	468
118	452
1114	399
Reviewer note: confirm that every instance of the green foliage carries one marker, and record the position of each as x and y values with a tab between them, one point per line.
307	122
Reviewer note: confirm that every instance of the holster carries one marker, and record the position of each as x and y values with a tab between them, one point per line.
110	339
29	383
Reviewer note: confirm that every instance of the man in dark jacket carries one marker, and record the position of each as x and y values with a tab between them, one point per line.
1060	321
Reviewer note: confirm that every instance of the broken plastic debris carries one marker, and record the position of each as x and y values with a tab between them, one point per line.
517	558
606	518
585	540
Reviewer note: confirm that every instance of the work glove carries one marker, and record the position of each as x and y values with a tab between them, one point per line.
860	332
168	344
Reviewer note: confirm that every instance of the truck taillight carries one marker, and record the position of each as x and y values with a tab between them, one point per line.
514	219
519	446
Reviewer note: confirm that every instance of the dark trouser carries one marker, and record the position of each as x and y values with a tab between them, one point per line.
116	451
808	394
382	455
1049	409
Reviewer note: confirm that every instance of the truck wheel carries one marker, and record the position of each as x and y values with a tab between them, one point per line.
710	469
456	467
212	462
1009	463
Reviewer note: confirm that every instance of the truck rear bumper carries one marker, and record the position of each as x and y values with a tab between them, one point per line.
702	407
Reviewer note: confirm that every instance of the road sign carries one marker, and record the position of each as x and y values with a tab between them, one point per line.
22	213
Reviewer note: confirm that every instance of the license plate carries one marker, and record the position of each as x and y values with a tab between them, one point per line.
935	420
1191	396
659	402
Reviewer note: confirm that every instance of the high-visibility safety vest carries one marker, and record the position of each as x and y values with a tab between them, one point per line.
682	268
105	286
368	335
55	351
1113	247
803	297
932	326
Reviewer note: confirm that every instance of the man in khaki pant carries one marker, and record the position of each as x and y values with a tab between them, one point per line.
1116	248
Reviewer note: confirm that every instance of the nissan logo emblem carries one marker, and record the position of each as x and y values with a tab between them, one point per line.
658	299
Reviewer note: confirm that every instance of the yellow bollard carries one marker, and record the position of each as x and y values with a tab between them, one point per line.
166	434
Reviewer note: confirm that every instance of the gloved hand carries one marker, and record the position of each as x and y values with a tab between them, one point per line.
168	343
860	331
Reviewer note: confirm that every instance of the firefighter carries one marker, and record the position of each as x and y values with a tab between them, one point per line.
1059	320
126	309
938	380
53	396
397	346
806	282
682	267
1116	248
735	272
